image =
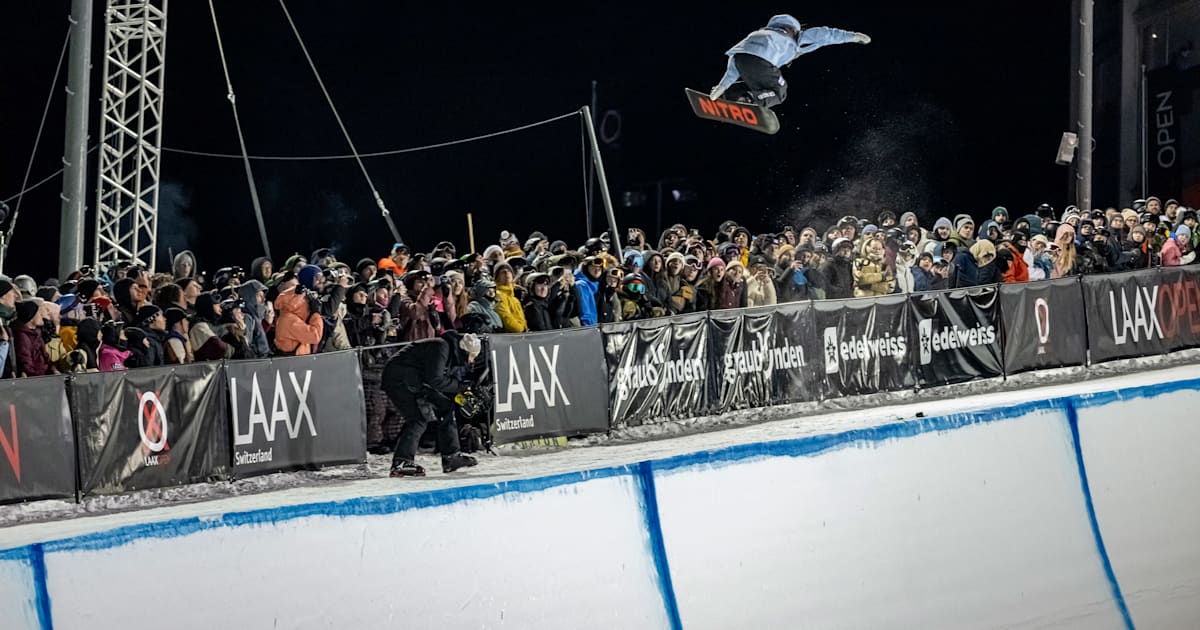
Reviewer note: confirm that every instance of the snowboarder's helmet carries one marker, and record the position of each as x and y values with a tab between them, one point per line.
787	24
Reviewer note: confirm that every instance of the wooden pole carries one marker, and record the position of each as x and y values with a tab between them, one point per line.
471	232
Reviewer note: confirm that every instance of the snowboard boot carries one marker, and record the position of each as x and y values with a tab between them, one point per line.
408	469
458	460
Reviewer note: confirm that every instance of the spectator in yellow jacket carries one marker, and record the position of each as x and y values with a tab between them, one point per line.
508	307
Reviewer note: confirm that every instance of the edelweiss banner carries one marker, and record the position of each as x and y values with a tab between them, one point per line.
1043	325
750	348
958	335
549	384
865	345
150	427
296	411
37	443
1143	313
657	368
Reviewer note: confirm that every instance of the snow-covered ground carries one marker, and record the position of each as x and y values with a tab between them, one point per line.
47	520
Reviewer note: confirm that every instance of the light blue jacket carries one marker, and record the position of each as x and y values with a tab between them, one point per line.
779	49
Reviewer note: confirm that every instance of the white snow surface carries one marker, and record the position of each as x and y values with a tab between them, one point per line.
26	523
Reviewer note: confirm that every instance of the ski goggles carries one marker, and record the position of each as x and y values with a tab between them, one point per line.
636	287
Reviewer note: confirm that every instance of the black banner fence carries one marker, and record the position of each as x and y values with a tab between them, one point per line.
548	384
155	427
37	441
957	335
657	368
150	428
864	345
292	412
1045	325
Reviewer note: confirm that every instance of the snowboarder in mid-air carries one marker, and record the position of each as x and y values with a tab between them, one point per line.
752	74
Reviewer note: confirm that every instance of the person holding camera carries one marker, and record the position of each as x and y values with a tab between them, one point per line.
421	380
299	327
542	312
418	315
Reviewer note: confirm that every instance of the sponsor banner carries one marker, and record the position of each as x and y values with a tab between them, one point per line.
957	335
548	384
1044	325
37	442
739	344
864	344
796	363
1125	315
657	368
151	427
291	412
1165	105
1179	306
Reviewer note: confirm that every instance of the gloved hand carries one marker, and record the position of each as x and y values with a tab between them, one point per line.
862	38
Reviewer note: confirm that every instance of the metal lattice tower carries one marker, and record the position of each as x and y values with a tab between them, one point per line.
135	46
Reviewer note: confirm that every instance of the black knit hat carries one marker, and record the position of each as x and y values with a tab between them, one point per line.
174	316
27	310
146	314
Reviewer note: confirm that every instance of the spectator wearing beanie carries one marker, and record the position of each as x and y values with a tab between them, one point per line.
709	285
51	318
588	279
481	316
731	292
152	324
1173	249
508	307
253	294
206	330
32	358
417	314
113	352
177	349
964	233
365	270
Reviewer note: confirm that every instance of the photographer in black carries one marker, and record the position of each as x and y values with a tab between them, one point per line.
422	379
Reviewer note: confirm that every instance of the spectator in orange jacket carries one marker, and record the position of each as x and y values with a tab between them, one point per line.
1010	260
298	325
397	261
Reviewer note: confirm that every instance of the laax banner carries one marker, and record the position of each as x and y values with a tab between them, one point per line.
37	443
1142	313
657	368
151	427
958	335
547	384
1044	325
865	345
296	411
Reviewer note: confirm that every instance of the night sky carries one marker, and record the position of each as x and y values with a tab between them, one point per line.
949	110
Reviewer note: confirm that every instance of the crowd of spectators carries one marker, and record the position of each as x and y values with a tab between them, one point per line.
127	317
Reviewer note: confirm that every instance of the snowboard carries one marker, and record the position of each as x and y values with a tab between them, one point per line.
734	113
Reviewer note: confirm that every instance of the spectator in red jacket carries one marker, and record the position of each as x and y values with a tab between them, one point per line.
32	359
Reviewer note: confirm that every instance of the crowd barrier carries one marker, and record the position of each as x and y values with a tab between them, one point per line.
90	434
1072	512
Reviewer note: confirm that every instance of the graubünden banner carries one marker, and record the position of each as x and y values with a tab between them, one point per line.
957	335
289	412
548	384
1044	325
37	442
151	427
657	368
759	357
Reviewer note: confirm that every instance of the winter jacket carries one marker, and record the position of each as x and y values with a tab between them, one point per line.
428	368
922	280
544	313
111	359
792	286
254	313
30	349
966	270
587	298
1171	254
905	278
417	320
760	293
297	329
156	353
177	349
508	307
871	277
684	298
839	278
1018	270
772	44
731	293
484	309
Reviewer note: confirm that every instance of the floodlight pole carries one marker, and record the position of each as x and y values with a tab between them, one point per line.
614	235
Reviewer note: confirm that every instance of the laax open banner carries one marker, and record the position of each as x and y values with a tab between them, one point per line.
37	443
151	428
296	411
